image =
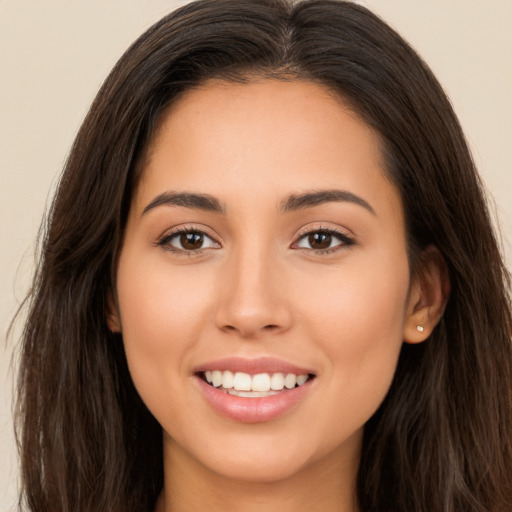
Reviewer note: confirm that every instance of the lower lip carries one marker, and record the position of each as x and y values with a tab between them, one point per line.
253	410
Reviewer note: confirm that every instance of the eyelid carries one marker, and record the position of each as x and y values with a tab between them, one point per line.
314	227
169	234
348	240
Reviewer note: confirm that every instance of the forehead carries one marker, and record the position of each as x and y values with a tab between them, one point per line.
260	107
231	139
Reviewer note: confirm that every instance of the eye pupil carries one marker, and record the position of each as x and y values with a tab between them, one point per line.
320	240
191	240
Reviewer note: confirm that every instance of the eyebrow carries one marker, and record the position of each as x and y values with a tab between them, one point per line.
294	202
188	200
315	198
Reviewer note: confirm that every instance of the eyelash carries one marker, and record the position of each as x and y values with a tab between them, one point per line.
346	241
165	240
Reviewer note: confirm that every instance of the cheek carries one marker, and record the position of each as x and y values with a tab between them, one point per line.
357	322
159	301
161	318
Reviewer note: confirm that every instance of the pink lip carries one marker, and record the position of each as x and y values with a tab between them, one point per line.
252	366
252	410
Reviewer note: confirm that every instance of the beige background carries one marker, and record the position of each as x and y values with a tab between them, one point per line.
55	54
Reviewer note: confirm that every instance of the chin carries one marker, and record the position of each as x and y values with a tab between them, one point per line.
268	471
263	458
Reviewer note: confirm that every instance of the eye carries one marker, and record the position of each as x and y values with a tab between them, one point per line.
187	240
324	240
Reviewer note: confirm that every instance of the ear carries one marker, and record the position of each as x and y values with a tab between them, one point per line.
428	296
113	316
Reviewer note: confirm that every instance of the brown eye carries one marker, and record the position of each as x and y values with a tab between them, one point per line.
191	241
320	240
324	240
187	241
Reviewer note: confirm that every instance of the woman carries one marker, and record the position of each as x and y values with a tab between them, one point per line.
269	280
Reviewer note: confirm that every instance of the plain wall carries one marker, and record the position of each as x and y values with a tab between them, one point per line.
55	54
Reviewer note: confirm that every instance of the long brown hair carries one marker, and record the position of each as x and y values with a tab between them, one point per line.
442	439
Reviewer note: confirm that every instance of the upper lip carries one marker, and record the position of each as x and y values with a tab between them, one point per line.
252	366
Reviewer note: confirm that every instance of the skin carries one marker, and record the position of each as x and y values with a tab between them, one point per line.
258	288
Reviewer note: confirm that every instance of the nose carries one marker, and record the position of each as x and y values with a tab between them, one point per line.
253	298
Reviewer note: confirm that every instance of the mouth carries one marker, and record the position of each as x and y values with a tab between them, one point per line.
254	390
257	385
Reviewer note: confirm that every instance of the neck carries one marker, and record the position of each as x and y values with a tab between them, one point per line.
327	484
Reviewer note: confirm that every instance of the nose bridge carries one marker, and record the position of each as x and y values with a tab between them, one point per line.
253	297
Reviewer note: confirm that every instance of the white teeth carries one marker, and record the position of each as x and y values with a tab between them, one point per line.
277	381
228	379
301	379
290	380
259	383
251	394
216	378
242	381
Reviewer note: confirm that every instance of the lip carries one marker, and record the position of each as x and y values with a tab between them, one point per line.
252	410
252	366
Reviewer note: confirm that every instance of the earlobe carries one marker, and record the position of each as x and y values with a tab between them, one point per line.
428	296
112	314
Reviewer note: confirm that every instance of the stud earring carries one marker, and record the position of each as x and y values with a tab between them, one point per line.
420	328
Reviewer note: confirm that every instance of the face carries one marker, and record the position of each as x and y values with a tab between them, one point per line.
264	246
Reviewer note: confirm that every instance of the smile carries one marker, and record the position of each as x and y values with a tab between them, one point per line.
253	386
253	390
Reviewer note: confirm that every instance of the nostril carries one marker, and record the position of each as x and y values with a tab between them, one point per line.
270	327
